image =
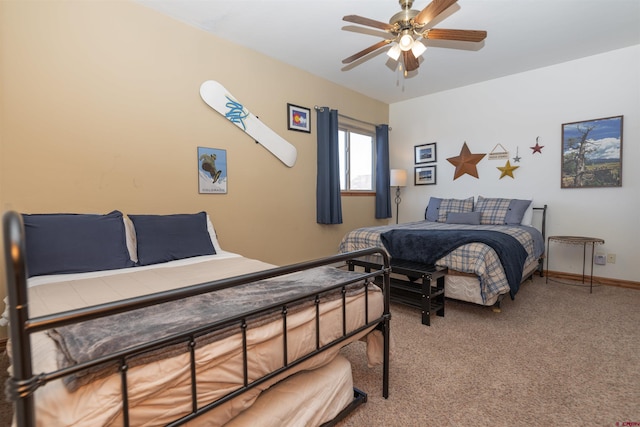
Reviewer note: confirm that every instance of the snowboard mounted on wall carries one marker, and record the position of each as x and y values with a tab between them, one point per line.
219	98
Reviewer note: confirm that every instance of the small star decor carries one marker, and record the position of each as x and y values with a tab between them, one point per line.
537	148
517	158
465	163
507	170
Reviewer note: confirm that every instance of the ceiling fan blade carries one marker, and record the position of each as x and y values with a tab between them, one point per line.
458	35
410	61
368	22
366	51
433	9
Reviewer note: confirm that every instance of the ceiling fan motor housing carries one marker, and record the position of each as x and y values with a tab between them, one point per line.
403	18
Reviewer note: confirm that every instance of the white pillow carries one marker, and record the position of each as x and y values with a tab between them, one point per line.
212	234
527	219
130	234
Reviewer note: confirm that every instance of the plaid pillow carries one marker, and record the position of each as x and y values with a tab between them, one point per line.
493	211
448	206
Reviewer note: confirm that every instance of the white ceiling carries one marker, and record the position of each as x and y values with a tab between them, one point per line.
311	35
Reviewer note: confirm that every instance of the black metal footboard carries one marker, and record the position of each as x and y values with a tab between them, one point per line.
23	383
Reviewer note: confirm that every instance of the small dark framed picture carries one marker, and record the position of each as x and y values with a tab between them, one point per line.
425	175
425	153
298	118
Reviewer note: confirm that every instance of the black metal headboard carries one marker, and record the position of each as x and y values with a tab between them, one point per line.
543	228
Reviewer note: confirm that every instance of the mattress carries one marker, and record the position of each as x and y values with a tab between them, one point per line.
307	398
465	286
159	392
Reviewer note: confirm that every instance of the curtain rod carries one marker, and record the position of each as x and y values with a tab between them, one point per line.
315	107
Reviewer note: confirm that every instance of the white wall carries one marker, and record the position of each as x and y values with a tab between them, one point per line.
514	111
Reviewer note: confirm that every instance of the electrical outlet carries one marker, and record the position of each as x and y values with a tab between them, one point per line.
600	259
611	258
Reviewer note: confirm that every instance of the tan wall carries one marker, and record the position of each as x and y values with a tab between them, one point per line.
100	110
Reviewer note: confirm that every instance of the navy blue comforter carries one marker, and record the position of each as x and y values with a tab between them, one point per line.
428	246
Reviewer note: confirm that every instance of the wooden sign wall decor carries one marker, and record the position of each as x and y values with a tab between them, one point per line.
498	153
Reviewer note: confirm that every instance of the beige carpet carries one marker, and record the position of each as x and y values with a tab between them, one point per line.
556	356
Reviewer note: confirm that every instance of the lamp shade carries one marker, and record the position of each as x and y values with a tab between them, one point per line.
418	48
398	177
394	52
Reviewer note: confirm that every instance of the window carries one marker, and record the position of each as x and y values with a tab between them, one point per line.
357	160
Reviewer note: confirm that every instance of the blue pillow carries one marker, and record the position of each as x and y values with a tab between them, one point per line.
454	205
472	218
431	213
75	243
516	211
163	238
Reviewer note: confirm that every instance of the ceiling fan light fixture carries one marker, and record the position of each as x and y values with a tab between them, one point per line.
408	30
418	48
406	41
394	52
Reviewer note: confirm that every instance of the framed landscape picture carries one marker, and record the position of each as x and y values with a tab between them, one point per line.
425	153
425	175
592	153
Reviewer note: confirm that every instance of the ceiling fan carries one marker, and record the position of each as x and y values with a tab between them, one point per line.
408	29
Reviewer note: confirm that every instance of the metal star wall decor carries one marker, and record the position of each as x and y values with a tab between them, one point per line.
517	158
507	170
537	148
465	162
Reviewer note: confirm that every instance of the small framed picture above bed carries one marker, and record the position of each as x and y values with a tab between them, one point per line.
425	153
425	175
212	171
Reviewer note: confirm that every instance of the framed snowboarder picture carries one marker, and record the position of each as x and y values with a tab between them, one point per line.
592	153
298	118
212	171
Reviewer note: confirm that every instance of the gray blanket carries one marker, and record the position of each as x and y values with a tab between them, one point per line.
89	340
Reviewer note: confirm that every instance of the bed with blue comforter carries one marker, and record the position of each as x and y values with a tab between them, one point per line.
485	261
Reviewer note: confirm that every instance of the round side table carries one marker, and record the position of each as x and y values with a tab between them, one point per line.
576	240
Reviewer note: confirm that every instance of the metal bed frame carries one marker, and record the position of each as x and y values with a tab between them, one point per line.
497	306
543	230
23	383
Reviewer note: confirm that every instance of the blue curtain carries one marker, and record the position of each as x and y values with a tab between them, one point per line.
328	201
383	191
